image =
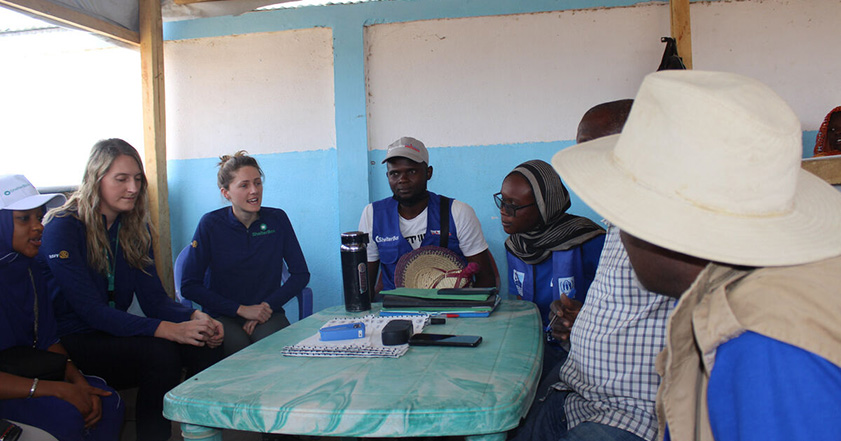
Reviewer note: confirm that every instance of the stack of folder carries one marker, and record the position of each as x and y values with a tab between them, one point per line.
465	302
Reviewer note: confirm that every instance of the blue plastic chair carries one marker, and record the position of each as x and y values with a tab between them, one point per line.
304	297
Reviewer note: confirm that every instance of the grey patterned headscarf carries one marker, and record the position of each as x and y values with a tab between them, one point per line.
559	231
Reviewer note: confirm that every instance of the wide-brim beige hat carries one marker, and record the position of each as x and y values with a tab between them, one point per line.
708	164
430	267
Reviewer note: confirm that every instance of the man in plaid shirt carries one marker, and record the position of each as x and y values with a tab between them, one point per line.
606	388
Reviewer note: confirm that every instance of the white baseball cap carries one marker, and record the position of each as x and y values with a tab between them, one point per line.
17	193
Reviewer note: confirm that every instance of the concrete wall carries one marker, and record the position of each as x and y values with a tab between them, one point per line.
319	92
271	94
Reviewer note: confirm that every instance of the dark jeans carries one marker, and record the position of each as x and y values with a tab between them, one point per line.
547	420
554	357
154	365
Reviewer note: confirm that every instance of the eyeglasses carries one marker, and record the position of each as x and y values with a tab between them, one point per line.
509	209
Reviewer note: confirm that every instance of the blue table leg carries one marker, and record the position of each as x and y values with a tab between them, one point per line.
200	433
487	437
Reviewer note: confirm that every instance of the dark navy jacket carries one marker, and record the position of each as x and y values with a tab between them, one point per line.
17	293
80	293
229	265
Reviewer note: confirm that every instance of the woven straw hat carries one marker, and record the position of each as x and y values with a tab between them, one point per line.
430	267
708	164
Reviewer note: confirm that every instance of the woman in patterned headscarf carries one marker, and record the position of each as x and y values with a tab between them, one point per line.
551	253
828	142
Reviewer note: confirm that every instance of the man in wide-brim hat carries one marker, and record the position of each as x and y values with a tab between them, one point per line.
705	184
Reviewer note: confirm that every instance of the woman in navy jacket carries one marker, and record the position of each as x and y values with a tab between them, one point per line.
234	266
98	249
78	408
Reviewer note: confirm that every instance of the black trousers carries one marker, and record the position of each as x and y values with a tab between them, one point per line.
154	365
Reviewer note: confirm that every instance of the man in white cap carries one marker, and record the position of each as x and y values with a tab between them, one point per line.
416	217
705	184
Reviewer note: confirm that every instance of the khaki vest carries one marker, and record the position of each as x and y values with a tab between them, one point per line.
799	305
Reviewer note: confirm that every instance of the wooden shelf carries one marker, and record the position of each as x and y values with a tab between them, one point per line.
827	168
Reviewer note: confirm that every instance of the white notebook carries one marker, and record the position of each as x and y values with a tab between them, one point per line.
369	346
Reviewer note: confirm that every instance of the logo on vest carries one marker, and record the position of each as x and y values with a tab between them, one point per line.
519	277
380	239
566	285
61	255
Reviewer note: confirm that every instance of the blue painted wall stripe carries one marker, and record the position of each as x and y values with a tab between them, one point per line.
301	183
351	122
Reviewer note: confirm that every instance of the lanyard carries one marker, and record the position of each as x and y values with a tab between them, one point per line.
34	309
112	267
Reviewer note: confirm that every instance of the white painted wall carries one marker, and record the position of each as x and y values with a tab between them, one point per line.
508	79
529	78
264	92
792	46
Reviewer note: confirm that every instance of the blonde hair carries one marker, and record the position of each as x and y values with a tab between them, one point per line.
135	236
229	164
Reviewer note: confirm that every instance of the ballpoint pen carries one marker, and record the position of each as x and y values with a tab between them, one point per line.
548	329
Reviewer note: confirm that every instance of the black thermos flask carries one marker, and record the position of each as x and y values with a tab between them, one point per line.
355	271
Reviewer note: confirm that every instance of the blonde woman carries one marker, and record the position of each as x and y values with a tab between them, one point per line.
98	249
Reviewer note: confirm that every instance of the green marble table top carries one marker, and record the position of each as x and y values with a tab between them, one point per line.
430	391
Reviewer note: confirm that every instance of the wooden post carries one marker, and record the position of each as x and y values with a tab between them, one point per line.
681	30
154	134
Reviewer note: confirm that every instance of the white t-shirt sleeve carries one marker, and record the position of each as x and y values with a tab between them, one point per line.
471	240
366	225
470	237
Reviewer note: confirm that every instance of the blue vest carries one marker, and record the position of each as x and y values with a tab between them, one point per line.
569	272
385	231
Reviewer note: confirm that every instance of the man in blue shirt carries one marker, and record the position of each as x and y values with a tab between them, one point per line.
413	218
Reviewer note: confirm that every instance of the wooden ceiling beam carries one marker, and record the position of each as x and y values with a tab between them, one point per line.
187	2
75	19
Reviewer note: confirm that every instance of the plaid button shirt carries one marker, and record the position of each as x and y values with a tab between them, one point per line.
616	337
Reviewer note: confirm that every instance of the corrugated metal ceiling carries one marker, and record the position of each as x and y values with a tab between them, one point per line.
12	21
